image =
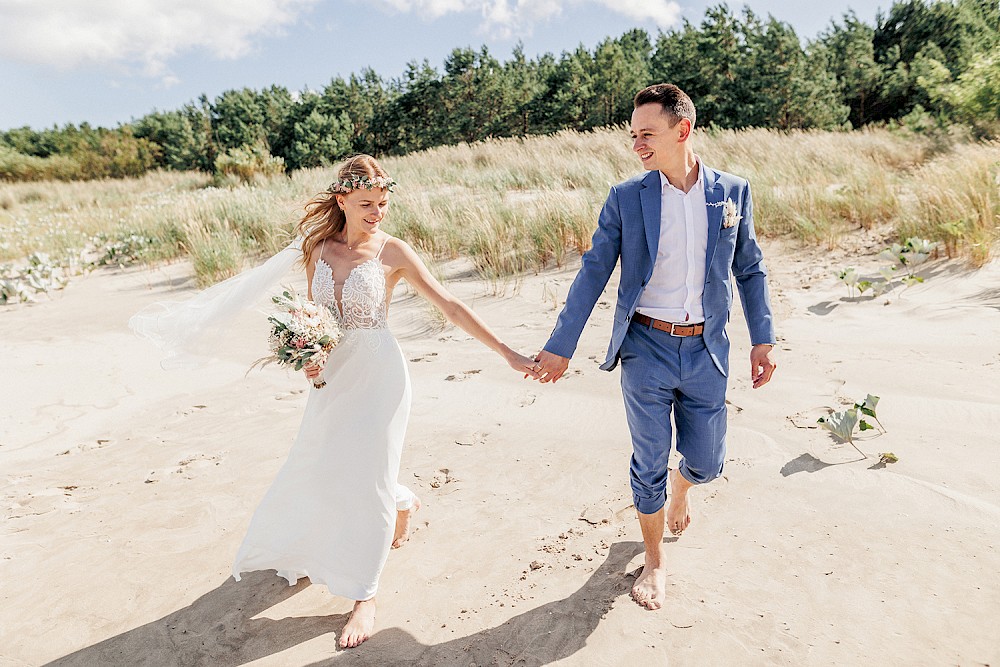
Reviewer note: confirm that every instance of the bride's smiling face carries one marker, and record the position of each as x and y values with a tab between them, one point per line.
364	209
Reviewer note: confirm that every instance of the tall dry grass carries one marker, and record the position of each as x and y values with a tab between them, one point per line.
955	199
815	185
181	214
517	205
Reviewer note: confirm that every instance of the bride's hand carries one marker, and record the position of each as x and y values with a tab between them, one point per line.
522	364
311	371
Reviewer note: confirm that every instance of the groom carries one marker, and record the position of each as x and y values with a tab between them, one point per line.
680	230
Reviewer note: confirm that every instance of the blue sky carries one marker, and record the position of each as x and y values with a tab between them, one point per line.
109	61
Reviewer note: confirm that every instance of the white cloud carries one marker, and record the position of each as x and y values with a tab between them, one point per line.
505	18
144	35
147	33
663	13
433	8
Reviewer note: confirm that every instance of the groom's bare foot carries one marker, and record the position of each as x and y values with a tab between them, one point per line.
403	517
360	625
651	587
678	515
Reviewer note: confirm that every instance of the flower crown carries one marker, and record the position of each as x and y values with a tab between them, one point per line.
363	181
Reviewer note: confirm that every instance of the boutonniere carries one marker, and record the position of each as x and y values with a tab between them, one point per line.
730	214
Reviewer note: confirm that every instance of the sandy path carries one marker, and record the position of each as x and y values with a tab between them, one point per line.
126	489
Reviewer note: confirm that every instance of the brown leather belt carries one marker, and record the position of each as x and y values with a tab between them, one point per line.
672	328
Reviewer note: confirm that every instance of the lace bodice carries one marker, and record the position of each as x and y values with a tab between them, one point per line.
362	299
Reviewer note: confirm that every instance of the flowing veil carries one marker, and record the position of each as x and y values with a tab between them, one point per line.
188	331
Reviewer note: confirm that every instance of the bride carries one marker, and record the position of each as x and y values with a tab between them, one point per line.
336	507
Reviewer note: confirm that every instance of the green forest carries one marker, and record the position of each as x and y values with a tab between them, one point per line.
924	65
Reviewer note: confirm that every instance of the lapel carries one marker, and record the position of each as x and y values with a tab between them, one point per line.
714	195
650	201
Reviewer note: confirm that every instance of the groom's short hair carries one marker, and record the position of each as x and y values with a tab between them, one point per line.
674	101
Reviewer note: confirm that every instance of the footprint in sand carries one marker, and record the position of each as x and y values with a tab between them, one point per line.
197	462
603	513
426	357
100	443
37	503
472	438
528	399
738	461
441	477
597	515
287	395
580	545
450	338
185	468
465	375
833	386
809	418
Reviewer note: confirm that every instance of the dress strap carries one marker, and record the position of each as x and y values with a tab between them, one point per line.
380	248
321	244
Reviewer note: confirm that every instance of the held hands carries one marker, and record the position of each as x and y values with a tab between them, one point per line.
549	367
761	365
521	363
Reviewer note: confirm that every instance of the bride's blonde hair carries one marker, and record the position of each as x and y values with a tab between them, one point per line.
324	217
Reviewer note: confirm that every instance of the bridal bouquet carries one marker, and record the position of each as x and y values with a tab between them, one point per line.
303	334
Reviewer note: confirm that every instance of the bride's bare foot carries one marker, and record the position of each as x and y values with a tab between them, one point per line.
678	515
403	524
360	625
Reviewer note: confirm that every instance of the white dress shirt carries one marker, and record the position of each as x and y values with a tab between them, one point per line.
674	291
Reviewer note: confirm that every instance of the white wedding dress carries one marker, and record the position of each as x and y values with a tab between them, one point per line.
331	511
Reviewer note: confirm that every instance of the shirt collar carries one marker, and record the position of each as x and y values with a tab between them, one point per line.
700	183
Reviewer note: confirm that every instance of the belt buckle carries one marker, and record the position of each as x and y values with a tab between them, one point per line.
675	335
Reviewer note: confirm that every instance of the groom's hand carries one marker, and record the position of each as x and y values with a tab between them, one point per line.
550	366
761	365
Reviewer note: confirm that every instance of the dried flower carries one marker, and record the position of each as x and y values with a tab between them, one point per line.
363	181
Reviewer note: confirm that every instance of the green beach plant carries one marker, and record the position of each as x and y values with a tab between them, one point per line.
38	276
914	252
842	423
122	250
849	277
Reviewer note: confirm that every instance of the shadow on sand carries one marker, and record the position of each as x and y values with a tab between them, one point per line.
218	629
804	463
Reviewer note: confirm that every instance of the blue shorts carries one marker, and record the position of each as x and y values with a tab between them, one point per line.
664	374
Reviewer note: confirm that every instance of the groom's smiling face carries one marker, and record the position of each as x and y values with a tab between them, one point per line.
655	139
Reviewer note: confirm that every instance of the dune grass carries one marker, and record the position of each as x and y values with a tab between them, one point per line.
519	205
955	199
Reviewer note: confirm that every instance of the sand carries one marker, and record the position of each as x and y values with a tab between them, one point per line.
126	490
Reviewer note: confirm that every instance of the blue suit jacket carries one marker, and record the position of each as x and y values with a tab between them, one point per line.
629	228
